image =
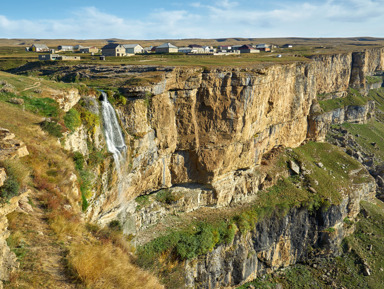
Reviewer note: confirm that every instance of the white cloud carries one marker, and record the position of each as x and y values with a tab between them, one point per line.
223	18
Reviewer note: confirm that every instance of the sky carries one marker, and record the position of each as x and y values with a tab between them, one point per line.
170	19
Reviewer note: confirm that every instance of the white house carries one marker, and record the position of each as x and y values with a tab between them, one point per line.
133	48
65	48
167	48
185	49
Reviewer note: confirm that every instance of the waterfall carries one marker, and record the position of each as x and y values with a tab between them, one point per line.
112	131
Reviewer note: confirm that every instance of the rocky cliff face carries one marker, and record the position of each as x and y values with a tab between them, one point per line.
203	133
277	242
196	126
9	148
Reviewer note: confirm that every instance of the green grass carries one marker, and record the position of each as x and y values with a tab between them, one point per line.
72	119
374	79
369	133
43	106
378	96
353	98
52	127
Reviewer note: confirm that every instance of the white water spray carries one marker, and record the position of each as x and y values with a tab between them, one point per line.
113	134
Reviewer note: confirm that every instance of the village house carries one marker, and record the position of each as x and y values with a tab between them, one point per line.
224	48
113	49
185	49
133	48
58	57
49	56
167	48
263	47
92	49
208	49
78	47
39	48
197	48
65	48
248	49
147	49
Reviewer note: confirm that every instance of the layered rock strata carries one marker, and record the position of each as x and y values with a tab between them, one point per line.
277	242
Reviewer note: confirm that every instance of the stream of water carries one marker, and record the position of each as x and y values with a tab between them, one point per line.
113	135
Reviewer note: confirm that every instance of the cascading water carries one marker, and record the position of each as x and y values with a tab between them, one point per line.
113	134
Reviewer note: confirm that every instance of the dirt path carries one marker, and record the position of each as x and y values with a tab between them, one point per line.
35	85
43	265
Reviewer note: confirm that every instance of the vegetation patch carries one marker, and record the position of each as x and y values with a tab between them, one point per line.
52	127
353	97
72	119
374	79
142	202
17	178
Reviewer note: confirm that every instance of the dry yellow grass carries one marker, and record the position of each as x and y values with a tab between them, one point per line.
107	266
44	237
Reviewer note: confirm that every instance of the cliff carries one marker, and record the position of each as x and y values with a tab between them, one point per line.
203	133
195	126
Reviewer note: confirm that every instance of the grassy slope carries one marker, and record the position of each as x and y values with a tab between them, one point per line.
54	247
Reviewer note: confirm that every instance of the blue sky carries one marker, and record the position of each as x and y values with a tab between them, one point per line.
152	19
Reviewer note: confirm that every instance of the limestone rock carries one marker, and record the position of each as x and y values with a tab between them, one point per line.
8	260
66	99
10	147
3	176
294	167
16	100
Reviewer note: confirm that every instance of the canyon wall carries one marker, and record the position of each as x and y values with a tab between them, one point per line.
197	126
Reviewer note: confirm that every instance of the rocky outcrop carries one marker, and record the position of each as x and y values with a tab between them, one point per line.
319	123
363	64
8	260
277	242
9	147
66	99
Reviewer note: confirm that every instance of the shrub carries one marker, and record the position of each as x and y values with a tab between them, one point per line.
53	128
72	119
142	202
115	225
78	158
166	197
17	176
10	188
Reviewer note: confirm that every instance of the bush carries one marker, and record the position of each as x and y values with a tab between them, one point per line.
166	197
52	128
10	188
142	202
17	177
115	225
78	158
72	119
